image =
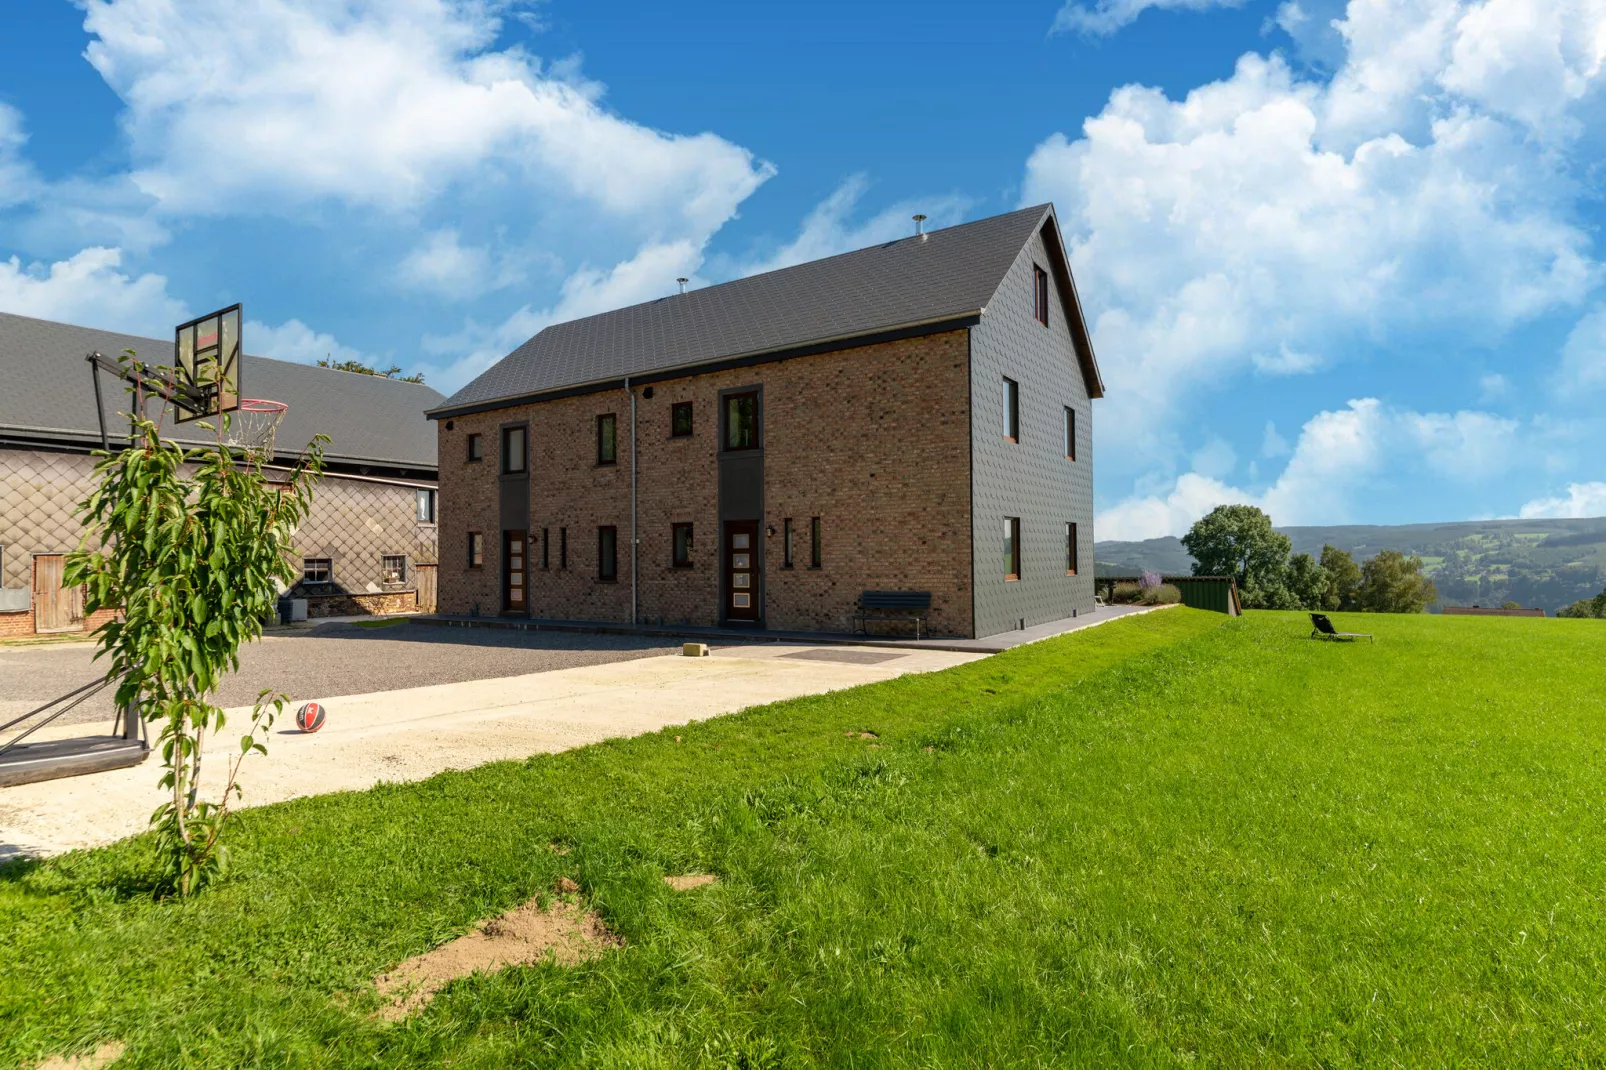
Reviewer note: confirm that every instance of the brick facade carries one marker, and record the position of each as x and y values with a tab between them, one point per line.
874	440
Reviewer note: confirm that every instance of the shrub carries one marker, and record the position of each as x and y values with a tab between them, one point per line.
1126	593
1163	594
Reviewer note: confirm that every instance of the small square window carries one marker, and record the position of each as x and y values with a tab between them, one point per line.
1011	410
788	544
316	569
393	568
476	448
476	549
426	507
816	553
1011	547
607	554
513	459
1040	291
680	419
682	539
608	439
1070	549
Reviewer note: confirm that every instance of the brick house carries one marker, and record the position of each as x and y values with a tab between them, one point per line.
368	546
912	416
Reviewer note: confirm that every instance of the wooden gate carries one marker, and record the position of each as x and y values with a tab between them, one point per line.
424	578
55	609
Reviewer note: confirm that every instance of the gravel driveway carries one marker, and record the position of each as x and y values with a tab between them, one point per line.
331	659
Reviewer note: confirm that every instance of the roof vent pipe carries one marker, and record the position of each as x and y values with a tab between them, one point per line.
920	225
682	283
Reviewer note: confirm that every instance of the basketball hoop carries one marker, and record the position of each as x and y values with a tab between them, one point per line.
251	427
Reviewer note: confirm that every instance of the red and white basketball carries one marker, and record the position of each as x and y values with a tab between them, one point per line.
309	718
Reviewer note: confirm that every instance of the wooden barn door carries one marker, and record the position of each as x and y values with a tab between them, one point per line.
424	576
55	609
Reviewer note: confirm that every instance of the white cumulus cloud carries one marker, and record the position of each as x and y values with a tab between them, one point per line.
1274	222
1581	500
260	104
1340	456
91	289
1105	17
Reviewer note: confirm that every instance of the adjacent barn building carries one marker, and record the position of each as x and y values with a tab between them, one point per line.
368	546
912	417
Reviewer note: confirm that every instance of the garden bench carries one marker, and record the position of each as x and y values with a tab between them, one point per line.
904	606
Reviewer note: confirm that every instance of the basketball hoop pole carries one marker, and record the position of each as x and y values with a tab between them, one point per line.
162	386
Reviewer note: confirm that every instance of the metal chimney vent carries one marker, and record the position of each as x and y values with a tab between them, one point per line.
682	283
920	225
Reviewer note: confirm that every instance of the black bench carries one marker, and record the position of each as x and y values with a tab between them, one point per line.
902	606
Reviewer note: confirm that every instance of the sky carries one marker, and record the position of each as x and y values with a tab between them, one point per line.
1340	260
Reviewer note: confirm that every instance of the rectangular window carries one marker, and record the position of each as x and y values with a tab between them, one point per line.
787	541
1070	432
546	548
563	547
1011	547
1040	288
393	568
682	543
741	421
1011	410
607	554
815	552
476	549
316	569
513	460
426	507
1070	549
608	439
476	451
680	419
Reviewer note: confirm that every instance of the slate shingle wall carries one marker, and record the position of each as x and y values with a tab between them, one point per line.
1031	479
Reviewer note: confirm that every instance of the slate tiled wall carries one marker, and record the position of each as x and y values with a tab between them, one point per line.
1030	479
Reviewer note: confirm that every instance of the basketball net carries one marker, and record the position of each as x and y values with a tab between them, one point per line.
252	426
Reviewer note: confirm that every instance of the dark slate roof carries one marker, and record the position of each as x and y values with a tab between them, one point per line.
948	275
47	394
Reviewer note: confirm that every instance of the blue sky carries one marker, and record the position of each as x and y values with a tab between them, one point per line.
1341	260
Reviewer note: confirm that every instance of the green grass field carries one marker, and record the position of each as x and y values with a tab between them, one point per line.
1172	840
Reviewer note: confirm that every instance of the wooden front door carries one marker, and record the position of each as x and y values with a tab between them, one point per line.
55	609
741	570
514	598
424	579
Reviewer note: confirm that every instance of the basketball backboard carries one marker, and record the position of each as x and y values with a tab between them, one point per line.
207	365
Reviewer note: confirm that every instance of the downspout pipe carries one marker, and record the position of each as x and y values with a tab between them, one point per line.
635	542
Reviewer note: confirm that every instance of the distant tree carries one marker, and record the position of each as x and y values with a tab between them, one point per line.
1393	583
392	372
1239	541
1343	578
1306	583
1510	605
1586	607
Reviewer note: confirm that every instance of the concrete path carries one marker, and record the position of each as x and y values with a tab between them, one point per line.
414	733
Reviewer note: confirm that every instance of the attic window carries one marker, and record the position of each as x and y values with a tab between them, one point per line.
1040	289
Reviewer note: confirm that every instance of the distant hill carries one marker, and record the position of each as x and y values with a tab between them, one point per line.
1548	563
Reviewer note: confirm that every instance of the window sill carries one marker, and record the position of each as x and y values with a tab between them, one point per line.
1014	440
602	580
1070	572
476	568
606	464
682	568
1011	579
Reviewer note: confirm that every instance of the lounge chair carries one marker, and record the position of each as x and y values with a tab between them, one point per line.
1325	630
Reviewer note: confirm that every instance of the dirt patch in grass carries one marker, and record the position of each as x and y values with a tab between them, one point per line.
89	1060
685	882
527	934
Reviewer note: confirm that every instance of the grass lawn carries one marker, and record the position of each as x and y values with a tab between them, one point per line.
1171	840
